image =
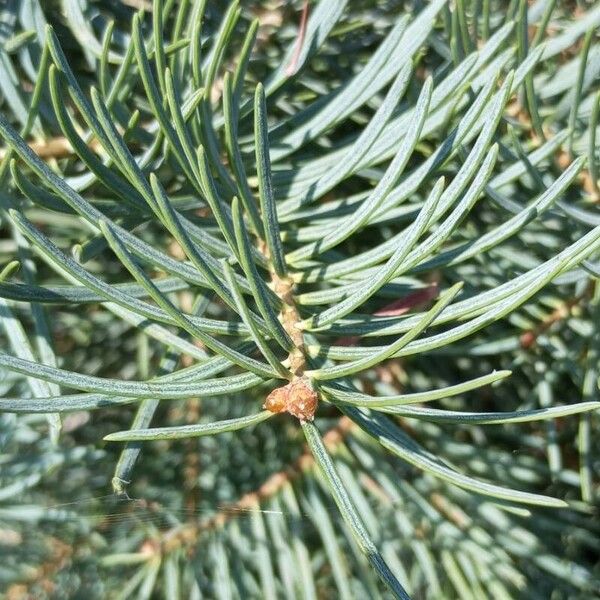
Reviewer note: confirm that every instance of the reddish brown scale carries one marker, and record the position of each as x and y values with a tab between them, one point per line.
276	401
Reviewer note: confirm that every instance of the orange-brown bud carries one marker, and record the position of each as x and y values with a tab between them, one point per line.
297	398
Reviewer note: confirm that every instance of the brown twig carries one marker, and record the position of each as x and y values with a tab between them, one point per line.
298	397
290	317
529	338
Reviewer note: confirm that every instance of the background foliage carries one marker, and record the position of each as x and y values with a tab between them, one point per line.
425	174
